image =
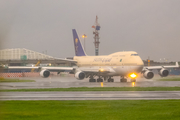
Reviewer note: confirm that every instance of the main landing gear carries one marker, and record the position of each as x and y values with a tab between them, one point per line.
100	79
110	79
91	79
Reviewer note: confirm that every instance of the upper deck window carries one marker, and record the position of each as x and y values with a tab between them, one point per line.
134	54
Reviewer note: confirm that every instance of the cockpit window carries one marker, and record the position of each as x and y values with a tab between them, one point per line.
134	54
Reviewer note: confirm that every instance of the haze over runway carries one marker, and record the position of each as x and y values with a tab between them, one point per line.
148	27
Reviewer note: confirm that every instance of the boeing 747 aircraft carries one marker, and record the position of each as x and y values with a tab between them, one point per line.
126	64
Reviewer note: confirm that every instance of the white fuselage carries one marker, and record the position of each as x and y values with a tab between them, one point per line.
119	64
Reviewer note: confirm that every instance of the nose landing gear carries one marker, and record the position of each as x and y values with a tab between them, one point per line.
123	79
133	80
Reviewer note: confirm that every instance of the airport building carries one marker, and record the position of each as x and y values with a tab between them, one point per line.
21	54
22	57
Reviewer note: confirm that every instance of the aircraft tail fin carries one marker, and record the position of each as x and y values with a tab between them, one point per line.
79	50
177	64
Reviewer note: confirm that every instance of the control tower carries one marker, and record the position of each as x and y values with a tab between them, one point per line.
96	27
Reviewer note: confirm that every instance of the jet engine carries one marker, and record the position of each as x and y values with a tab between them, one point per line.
163	72
148	74
80	75
45	73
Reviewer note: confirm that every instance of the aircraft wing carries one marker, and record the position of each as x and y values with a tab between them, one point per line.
68	69
39	68
42	61
67	60
160	67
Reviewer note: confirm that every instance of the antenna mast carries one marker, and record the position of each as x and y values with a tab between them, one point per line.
96	27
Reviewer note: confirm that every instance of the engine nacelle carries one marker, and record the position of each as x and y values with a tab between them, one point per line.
45	73
80	75
148	74
163	72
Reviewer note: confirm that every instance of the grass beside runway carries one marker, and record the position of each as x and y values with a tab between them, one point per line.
91	110
97	89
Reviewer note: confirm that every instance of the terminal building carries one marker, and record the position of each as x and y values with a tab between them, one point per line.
21	54
23	57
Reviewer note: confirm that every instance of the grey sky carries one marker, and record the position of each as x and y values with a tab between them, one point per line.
149	27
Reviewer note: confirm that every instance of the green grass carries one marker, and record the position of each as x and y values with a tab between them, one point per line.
14	80
91	110
97	89
169	79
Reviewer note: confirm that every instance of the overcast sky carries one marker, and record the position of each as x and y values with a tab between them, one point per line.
149	27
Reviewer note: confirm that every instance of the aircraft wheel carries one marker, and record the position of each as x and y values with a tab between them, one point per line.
110	80
123	80
92	80
99	80
133	80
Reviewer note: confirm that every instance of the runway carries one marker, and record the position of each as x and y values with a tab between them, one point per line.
110	95
67	82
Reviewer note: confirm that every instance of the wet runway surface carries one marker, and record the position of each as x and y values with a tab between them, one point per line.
67	82
101	95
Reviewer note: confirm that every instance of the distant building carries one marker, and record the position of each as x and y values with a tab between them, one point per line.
23	57
22	54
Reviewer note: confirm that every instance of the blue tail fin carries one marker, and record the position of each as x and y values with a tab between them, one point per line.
79	51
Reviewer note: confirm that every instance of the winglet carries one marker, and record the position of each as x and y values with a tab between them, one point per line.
79	50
